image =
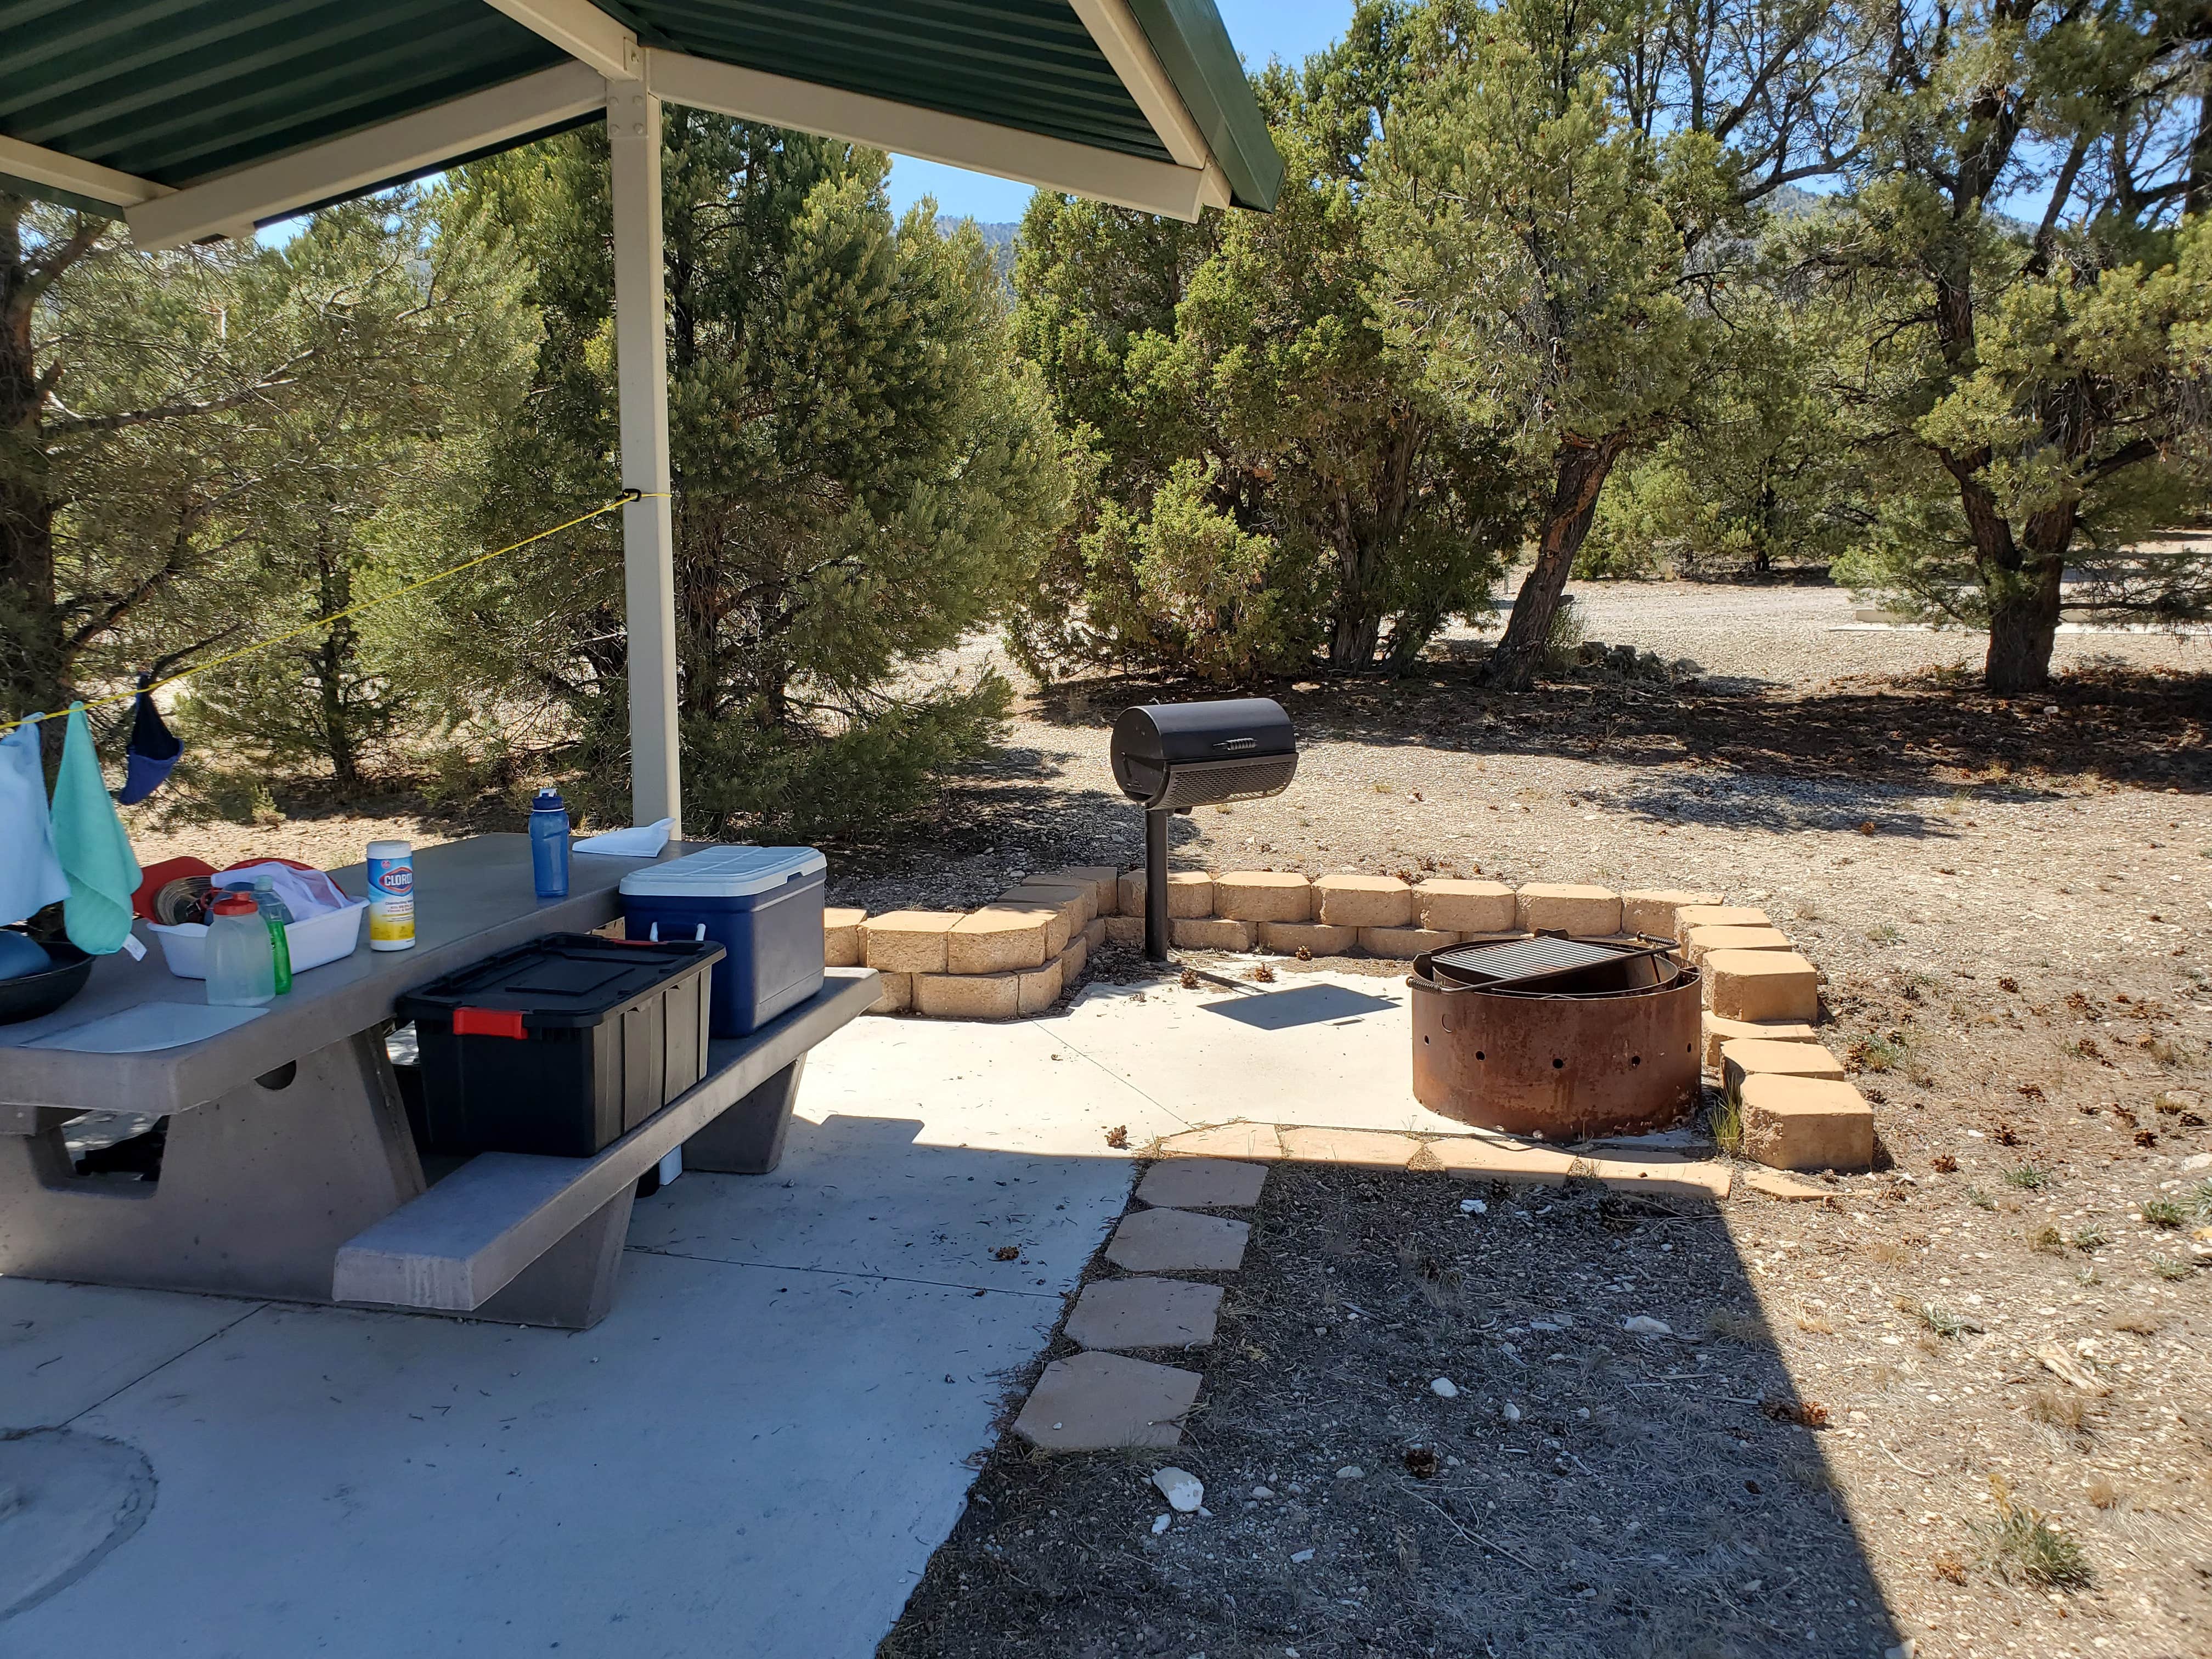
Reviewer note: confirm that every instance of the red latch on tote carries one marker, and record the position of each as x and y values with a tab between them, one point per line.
488	1022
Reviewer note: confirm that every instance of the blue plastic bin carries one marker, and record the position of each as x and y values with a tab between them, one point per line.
763	905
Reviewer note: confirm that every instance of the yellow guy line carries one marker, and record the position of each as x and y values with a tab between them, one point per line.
622	499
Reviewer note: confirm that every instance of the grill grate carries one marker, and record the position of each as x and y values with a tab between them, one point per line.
1521	962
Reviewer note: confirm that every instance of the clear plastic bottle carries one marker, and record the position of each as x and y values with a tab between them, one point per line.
278	915
241	961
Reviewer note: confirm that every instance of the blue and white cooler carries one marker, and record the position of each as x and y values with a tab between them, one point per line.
763	905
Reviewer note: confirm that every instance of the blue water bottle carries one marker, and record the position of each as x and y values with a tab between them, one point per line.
549	844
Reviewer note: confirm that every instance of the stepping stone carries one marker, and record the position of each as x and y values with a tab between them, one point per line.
1371	1149
1780	1186
1168	1241
1202	1184
1144	1313
1472	1158
1237	1139
1657	1172
1102	1401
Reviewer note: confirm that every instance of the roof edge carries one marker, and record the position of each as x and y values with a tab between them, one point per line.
1193	47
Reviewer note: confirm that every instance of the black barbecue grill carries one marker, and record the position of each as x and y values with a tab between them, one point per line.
1171	757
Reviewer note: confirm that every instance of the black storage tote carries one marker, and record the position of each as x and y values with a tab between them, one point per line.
561	1045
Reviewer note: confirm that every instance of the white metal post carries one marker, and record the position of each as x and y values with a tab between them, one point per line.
642	377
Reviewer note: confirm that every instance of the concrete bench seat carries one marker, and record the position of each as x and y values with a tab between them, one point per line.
535	1240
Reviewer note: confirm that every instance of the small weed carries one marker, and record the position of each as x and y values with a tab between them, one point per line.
1733	1325
2088	1238
2164	1212
1725	1125
1885	933
1807	911
1946	1566
2047	1240
2104	1495
2022	1547
1980	1199
2168	1269
1810	1472
1940	1320
1879	1053
2059	1408
2028	1177
1815	1324
2200	1199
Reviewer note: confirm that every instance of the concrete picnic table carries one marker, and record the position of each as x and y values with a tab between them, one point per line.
290	1169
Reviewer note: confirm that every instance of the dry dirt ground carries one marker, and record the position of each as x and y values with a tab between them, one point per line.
2012	903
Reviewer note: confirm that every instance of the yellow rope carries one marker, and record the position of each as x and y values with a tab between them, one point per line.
623	500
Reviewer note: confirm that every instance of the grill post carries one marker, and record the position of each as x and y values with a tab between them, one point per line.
1156	885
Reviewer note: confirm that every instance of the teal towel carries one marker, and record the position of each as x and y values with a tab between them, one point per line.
94	853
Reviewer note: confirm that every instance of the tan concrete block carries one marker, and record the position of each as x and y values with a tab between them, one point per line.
1744	1057
1655	1172
1806	1123
840	938
1567	907
1210	933
896	994
1240	1139
1263	896
1078	905
1095	934
1451	906
1349	901
1371	1148
1124	930
1403	944
1103	880
1190	894
1475	1157
1719	1031
997	939
1072	961
1177	1241
1318	937
1094	1401
1781	1186
968	996
1762	985
1040	989
1652	910
1702	940
1717	915
1202	1184
907	941
1144	1313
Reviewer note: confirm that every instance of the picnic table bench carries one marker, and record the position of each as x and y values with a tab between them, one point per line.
289	1171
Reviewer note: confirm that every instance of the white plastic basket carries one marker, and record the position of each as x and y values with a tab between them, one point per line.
330	937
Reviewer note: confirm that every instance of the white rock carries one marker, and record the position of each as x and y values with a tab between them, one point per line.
1644	1325
1161	1523
1473	1206
1443	1387
1303	1555
1512	1413
1184	1491
1352	1472
2197	1161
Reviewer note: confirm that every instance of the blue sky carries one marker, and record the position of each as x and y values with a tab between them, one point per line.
1288	29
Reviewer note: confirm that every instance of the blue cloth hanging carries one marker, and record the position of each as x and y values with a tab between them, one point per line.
31	875
94	851
152	752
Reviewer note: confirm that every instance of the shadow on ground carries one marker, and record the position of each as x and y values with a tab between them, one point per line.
1585	1493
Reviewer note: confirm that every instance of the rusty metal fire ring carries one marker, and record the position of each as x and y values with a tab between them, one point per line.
1566	1066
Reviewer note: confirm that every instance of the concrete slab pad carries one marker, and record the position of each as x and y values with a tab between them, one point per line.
1177	1241
1099	1401
1202	1184
737	1461
65	1348
1144	1313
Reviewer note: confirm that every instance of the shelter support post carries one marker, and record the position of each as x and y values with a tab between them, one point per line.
642	377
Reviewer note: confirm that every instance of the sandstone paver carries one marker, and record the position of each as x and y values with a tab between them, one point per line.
1403	944
1144	1313
1202	1184
1355	901
1569	907
1177	1241
1743	1057
1263	896
1210	933
968	996
1762	985
999	938
1321	939
840	936
1452	906
907	941
1374	1149
1719	1031
1806	1123
1652	910
1095	1401
1240	1140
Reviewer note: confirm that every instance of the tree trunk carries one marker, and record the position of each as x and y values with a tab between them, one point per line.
1582	470
1353	639
2024	607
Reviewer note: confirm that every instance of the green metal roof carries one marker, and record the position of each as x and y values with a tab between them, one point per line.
181	91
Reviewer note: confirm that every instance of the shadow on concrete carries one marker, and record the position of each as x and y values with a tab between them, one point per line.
1303	1005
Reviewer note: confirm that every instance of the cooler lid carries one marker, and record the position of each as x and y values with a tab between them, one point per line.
561	980
725	872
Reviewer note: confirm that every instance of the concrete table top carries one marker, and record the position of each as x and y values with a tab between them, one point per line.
472	898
